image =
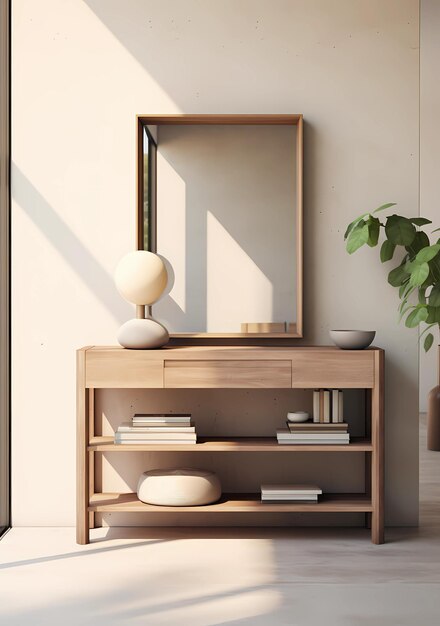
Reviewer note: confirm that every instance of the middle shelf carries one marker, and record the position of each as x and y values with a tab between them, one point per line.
231	444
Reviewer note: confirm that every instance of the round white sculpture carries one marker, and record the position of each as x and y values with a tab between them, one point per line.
179	487
141	277
142	334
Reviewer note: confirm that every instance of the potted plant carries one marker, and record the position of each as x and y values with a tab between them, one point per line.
416	276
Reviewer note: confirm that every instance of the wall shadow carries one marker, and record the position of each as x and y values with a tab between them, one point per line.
73	251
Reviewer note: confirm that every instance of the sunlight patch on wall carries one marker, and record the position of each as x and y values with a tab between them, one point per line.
248	292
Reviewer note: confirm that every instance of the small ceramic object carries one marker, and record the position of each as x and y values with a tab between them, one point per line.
298	416
142	334
352	339
179	487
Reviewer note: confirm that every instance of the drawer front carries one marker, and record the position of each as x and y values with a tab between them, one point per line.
130	369
228	374
334	369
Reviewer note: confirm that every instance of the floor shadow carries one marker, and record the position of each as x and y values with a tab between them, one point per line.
81	553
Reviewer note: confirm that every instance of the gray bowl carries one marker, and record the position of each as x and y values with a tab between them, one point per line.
352	339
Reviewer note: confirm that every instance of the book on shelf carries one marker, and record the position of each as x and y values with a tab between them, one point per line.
316	406
157	428
152	436
295	498
290	493
328	406
127	427
311	427
291	489
285	436
154	442
161	418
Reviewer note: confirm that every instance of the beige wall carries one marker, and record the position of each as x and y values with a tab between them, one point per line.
429	155
81	71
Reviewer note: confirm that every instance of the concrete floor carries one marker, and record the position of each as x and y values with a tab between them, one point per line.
204	577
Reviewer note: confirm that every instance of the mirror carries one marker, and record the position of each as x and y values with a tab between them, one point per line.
220	198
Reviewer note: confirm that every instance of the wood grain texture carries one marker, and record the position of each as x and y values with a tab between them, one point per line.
125	368
233	503
230	374
296	328
341	369
184	118
299	243
264	327
377	457
82	438
232	367
227	444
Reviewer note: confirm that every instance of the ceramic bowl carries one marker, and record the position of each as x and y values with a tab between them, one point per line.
352	339
298	416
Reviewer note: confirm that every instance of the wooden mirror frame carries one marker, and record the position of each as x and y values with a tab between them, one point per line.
295	330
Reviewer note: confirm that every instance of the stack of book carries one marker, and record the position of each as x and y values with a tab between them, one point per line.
290	493
313	433
152	428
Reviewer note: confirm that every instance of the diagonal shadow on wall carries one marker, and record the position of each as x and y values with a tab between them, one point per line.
56	231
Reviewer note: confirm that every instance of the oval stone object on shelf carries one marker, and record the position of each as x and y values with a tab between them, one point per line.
179	487
142	334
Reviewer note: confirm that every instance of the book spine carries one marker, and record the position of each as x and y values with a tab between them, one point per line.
326	406
316	406
340	406
321	406
335	406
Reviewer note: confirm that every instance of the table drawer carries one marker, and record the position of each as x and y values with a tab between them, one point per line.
228	374
124	369
333	369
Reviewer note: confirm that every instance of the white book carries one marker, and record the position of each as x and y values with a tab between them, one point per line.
127	427
153	436
284	433
157	442
285	442
293	498
316	403
341	407
301	489
335	406
327	407
162	419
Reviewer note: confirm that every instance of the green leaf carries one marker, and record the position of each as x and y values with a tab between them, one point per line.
421	240
419	314
421	295
436	230
397	276
400	231
405	310
357	238
429	340
419	221
403	288
434	296
387	251
354	223
426	254
373	231
384	206
433	315
419	274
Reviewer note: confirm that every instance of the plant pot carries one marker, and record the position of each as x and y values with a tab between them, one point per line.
433	438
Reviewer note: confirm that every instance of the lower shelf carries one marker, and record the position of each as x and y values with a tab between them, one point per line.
234	503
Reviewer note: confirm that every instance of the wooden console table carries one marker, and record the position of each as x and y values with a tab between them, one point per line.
226	368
